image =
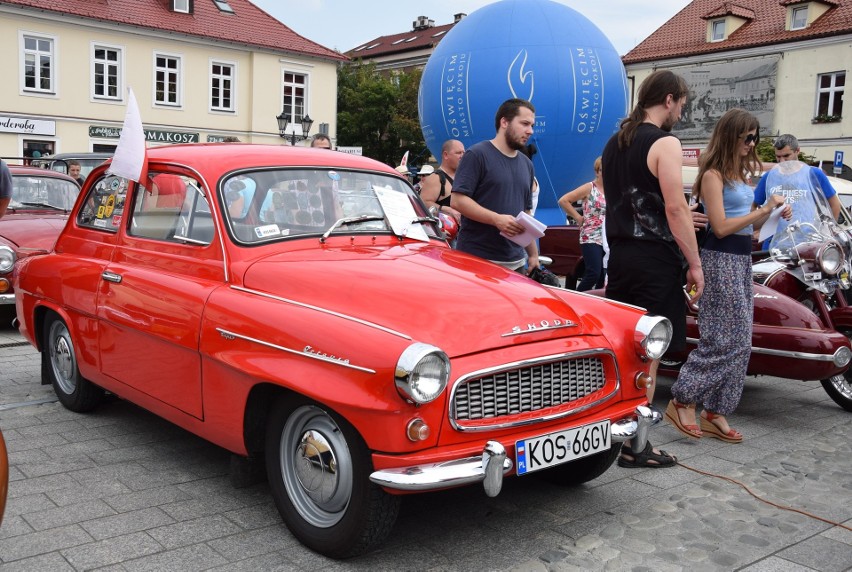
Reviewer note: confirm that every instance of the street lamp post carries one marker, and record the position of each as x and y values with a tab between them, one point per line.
284	120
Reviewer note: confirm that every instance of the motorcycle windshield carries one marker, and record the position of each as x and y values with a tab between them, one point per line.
810	244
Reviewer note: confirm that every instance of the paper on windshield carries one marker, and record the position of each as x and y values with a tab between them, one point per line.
771	224
534	230
400	212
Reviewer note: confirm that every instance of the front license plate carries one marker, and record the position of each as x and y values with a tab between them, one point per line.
556	448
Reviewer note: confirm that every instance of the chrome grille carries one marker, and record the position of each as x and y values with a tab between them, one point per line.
527	389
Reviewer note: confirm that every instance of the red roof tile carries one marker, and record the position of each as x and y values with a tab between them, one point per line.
248	25
685	34
404	42
730	8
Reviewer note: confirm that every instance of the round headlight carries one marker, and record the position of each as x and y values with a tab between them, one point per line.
422	373
652	336
830	259
7	259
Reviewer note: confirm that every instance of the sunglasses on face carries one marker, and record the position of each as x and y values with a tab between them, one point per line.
751	138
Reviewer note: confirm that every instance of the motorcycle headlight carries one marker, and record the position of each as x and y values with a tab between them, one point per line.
7	259
652	336
422	373
830	258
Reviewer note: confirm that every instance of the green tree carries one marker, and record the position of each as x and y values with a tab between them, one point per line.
378	112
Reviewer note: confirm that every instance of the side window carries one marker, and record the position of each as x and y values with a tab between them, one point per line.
103	208
171	208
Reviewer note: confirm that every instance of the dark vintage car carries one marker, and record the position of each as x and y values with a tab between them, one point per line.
274	289
59	162
41	201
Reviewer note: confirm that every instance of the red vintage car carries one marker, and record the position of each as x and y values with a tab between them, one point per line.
41	201
269	299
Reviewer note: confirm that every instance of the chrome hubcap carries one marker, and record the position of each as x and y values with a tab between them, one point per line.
316	466
62	358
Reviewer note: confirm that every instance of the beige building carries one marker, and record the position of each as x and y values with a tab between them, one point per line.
201	70
786	61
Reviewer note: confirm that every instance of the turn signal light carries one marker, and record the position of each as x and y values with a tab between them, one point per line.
417	430
5	286
643	380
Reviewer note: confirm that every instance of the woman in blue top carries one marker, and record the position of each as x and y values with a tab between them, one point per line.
714	373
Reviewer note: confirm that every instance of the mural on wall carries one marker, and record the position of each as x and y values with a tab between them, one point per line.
717	87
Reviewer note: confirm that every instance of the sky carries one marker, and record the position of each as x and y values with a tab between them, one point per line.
346	24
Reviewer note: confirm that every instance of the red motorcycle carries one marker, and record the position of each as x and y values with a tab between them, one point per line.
788	339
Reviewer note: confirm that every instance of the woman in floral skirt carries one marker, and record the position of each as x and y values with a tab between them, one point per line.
714	372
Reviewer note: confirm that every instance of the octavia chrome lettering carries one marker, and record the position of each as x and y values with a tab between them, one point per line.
540	326
312	351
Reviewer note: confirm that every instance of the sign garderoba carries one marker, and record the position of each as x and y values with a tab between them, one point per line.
27	126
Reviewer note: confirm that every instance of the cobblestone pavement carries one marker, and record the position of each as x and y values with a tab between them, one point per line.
120	489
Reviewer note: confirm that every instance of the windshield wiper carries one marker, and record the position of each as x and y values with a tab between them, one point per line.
349	220
44	205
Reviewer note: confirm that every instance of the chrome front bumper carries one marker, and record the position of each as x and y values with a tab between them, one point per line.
490	467
7	299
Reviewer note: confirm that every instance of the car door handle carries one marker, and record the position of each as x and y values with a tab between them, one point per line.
111	277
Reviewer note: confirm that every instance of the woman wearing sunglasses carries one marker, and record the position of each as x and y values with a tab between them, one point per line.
714	373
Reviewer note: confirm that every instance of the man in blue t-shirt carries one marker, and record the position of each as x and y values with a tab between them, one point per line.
493	184
787	149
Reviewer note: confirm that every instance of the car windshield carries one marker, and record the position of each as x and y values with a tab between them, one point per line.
278	204
47	193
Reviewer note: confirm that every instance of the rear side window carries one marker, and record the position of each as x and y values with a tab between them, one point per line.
103	208
171	208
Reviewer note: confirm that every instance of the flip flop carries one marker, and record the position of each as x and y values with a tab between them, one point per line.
673	418
641	460
707	425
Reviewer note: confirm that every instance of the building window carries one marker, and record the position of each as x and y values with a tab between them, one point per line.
830	94
167	80
181	6
221	86
107	73
38	64
294	95
799	18
717	30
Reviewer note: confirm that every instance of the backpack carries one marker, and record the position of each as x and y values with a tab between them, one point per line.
443	177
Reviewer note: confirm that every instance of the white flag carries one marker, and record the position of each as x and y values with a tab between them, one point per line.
404	162
131	157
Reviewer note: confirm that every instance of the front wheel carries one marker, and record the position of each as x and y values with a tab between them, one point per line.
319	468
59	368
839	389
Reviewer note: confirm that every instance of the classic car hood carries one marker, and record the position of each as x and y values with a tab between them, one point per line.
438	296
32	231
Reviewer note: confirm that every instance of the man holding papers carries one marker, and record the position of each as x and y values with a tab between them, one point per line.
493	186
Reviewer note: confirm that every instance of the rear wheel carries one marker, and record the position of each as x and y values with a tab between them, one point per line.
319	468
583	470
839	389
59	367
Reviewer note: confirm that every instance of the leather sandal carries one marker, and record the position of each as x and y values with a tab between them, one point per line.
713	430
645	459
690	430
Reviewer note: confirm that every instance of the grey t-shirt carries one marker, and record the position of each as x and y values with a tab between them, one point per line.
5	181
499	183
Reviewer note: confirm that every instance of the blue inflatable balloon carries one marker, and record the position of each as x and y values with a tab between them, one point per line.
537	50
